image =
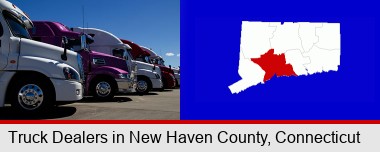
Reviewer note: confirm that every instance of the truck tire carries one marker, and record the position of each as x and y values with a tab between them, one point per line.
143	85
103	89
31	95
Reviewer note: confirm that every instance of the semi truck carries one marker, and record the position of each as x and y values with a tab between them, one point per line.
141	55
148	75
34	75
158	60
105	75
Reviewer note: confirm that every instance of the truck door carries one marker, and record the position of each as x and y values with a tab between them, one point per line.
14	28
131	65
124	54
4	50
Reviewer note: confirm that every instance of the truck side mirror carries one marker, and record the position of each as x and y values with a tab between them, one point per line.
170	66
65	41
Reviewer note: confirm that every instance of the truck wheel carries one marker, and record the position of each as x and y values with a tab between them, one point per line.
31	95
143	85
103	89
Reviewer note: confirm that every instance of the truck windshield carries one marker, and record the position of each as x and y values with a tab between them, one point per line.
75	45
147	59
143	58
128	54
16	25
161	62
158	61
78	44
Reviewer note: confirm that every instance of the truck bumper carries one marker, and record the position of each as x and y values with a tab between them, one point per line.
67	90
156	83
126	85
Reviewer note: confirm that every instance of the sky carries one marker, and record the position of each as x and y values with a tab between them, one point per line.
151	23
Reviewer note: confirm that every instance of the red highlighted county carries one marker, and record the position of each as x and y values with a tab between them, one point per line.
274	64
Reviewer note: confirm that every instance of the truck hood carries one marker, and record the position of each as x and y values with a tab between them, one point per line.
147	66
43	50
101	54
166	69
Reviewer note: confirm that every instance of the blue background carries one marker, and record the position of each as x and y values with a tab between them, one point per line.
210	45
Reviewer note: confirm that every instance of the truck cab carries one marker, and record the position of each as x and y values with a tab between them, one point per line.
105	75
158	60
148	75
34	75
139	54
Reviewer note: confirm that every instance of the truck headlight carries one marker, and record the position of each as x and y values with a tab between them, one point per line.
70	74
125	76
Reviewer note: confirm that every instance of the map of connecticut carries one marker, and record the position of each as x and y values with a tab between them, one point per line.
286	49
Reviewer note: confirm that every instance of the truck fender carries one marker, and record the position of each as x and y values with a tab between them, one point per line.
147	73
108	71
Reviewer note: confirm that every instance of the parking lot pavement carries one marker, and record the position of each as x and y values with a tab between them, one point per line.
158	105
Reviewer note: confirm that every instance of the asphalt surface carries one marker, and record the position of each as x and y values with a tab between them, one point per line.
157	105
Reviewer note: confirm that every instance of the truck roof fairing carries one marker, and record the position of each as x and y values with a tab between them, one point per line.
102	38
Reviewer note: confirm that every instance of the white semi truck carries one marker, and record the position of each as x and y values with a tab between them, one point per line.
33	75
148	75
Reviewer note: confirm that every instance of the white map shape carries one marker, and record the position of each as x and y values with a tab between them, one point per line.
309	47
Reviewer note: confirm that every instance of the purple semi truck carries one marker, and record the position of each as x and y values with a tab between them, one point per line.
104	74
